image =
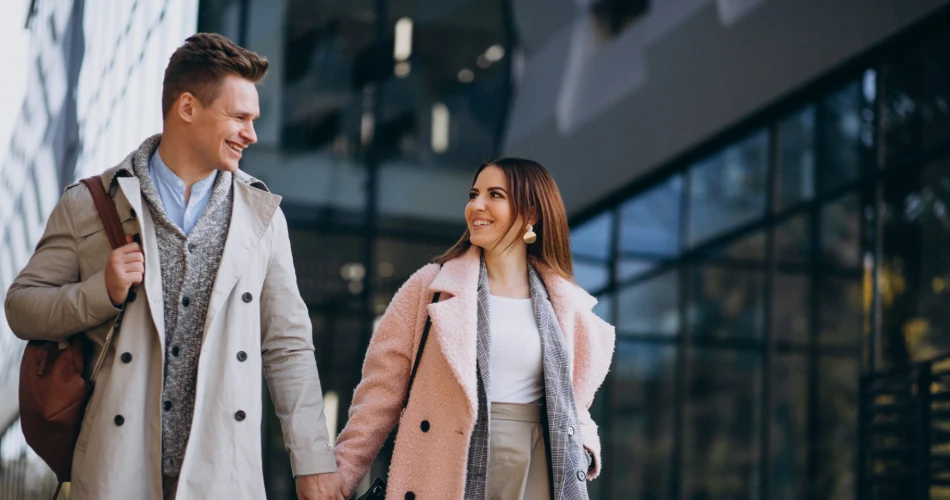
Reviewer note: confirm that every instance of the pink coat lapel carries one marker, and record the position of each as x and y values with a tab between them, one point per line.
454	319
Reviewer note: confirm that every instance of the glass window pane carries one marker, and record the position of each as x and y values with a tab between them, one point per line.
723	422
917	98
727	302
848	137
790	309
841	232
592	238
791	240
796	174
728	189
837	430
916	267
748	249
841	310
629	268
591	275
650	223
643	395
590	245
789	432
605	308
651	306
935	86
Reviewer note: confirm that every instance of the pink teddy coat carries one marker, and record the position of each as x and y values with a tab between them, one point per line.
432	464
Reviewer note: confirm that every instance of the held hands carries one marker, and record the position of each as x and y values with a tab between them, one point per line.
322	487
125	269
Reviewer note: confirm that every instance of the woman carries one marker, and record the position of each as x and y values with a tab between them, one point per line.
499	405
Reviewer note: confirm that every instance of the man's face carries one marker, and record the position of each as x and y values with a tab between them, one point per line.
222	129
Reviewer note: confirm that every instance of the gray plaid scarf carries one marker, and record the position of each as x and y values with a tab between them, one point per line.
567	460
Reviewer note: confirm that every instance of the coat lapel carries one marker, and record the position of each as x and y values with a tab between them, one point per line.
153	276
251	215
455	320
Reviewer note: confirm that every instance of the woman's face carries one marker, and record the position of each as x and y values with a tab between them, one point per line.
488	212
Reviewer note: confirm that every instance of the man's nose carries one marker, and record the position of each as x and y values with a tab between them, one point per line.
249	134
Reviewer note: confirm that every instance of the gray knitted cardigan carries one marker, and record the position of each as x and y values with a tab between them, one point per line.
189	268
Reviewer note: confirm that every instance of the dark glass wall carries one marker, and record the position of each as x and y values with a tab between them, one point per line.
741	279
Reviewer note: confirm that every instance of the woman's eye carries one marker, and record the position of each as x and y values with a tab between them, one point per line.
471	196
496	195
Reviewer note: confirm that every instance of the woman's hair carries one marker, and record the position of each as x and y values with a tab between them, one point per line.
533	194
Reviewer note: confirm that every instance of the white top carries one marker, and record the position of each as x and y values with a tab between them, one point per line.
516	371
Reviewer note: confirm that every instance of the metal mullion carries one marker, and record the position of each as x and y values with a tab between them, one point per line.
647	338
607	391
829	351
874	360
772	186
814	260
682	367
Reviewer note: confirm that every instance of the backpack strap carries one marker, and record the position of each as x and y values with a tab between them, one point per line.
113	226
107	212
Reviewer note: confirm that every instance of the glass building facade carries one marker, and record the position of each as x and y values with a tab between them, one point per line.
753	279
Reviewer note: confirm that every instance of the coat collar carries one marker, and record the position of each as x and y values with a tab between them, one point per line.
253	209
455	318
460	275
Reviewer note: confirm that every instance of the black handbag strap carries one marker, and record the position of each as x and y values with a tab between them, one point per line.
422	346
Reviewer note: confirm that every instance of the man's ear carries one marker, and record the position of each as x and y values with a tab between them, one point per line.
186	107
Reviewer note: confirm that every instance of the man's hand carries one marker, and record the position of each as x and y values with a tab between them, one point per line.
125	269
322	487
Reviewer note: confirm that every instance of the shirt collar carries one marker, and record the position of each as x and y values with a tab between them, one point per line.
167	177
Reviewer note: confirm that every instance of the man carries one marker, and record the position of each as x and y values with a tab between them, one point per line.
211	298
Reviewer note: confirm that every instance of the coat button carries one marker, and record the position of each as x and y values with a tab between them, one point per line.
242	356
581	475
168	405
191	248
185	301
410	495
240	416
131	297
132	213
425	426
175	351
570	431
119	420
126	357
247	297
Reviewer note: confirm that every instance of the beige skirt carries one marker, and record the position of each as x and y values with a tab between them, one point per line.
518	462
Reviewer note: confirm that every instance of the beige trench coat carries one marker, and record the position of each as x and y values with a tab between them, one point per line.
62	291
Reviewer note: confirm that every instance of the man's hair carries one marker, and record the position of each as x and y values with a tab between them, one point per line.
202	62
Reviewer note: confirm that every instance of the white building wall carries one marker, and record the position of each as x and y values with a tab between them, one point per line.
120	85
122	47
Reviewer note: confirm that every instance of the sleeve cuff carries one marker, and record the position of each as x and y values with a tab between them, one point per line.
97	297
318	461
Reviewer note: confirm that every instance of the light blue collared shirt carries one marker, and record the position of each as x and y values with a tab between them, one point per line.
171	189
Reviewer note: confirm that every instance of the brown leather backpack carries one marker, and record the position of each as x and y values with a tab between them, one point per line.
53	391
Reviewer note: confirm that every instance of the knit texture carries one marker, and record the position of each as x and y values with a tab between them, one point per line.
189	267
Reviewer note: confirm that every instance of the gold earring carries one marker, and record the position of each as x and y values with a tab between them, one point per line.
530	237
